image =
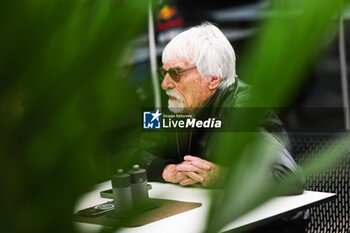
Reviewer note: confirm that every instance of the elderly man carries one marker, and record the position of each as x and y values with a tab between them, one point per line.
199	77
199	74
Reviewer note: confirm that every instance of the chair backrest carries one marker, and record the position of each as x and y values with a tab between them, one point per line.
332	216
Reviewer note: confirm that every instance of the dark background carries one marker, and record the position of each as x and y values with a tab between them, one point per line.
318	104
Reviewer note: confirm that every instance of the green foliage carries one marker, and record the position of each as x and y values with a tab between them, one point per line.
288	43
62	88
60	63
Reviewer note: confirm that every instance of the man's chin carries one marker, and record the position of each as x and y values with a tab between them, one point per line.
176	109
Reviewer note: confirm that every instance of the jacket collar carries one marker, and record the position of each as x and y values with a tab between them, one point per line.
211	107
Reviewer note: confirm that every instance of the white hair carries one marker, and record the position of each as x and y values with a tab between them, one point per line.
206	47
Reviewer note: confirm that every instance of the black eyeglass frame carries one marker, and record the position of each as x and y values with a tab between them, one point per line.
174	73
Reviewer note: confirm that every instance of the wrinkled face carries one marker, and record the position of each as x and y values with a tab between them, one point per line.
190	93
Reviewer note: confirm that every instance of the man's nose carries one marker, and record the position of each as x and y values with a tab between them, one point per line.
167	83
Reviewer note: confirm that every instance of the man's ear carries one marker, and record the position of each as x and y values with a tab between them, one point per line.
214	83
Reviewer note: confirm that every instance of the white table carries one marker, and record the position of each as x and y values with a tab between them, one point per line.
193	221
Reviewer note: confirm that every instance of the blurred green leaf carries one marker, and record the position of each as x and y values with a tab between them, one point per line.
275	64
60	61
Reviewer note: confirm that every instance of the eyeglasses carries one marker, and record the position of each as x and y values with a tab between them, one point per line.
174	73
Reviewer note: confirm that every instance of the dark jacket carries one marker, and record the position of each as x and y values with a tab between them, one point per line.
157	148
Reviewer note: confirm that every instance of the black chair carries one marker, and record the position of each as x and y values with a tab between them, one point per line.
332	216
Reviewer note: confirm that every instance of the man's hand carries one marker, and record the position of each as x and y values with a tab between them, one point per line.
203	171
172	175
195	171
